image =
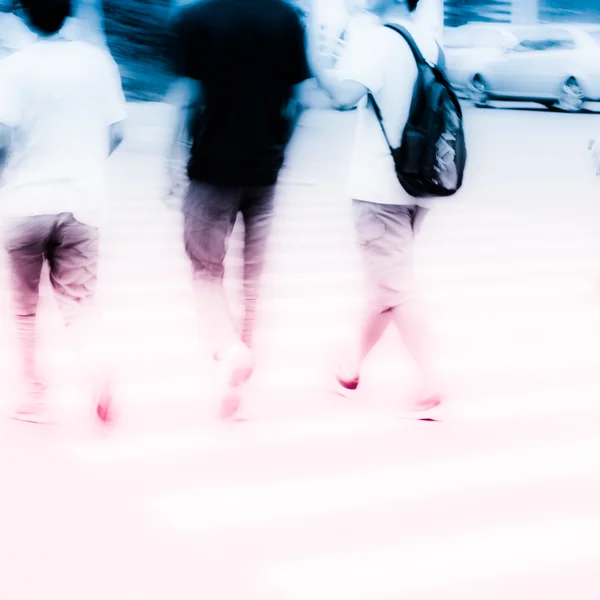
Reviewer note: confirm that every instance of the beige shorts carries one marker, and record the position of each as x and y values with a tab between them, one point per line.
386	235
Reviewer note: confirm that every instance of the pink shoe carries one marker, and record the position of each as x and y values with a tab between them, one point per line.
347	378
103	401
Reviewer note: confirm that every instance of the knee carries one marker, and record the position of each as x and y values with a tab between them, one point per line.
207	272
388	299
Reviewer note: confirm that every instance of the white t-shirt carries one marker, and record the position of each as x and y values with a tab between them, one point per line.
14	34
59	98
382	61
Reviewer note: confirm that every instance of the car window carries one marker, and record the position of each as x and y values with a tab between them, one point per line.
555	40
595	35
475	37
460	38
560	40
528	46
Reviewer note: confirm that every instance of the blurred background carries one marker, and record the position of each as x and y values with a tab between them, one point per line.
137	34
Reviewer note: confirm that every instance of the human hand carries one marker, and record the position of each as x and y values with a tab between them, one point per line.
178	182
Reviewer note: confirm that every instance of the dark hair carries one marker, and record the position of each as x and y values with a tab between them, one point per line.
47	16
412	4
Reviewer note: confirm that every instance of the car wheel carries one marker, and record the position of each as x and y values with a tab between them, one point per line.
572	97
550	105
479	92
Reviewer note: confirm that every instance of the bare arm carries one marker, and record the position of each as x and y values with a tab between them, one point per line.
186	97
344	93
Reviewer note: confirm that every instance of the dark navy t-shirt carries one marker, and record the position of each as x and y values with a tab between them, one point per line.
248	54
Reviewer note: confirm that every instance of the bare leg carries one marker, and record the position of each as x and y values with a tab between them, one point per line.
257	210
209	218
217	322
373	326
414	329
73	258
24	241
386	235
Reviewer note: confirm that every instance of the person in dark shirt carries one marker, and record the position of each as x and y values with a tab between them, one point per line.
239	63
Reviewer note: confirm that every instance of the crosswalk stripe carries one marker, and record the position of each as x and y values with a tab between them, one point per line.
215	439
284	273
442	566
209	508
283	247
464	360
307	317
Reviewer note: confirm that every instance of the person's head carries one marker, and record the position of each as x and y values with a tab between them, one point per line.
381	7
46	17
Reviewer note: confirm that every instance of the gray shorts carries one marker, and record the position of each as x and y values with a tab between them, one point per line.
386	235
210	214
71	250
209	217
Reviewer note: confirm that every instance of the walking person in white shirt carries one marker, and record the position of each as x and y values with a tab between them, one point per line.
61	114
377	61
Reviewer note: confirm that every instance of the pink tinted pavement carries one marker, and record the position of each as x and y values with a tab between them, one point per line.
315	497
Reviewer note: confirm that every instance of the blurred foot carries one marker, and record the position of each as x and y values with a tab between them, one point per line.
423	408
103	401
32	409
238	366
347	385
348	377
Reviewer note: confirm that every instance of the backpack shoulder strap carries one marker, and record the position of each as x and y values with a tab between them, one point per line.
441	57
421	60
379	116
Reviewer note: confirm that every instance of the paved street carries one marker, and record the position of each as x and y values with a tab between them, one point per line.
315	497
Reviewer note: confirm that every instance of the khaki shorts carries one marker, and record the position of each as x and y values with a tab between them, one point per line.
386	235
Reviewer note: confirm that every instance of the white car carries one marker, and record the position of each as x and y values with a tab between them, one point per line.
470	47
554	65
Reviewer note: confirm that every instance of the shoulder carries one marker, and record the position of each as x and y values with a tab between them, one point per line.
283	13
424	39
194	14
93	52
292	12
364	36
98	59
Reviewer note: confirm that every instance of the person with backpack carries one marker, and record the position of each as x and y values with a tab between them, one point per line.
62	110
409	148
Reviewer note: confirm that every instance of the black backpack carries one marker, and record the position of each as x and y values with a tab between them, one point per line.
430	161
